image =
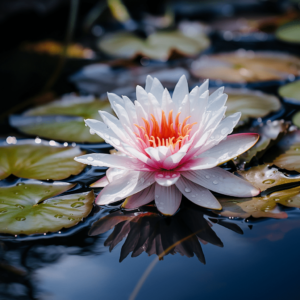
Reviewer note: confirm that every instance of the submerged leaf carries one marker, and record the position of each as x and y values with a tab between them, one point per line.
260	206
290	92
246	66
29	207
62	120
39	161
157	46
264	177
252	104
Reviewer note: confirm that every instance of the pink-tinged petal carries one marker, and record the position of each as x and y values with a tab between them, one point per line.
198	164
180	91
166	178
172	161
221	181
217	93
159	154
129	184
113	161
157	90
106	133
100	183
197	194
233	146
115	173
141	198
203	87
115	99
149	82
167	199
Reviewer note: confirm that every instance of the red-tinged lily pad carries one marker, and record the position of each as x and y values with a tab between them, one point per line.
264	177
34	207
63	120
29	159
159	45
259	207
252	104
286	154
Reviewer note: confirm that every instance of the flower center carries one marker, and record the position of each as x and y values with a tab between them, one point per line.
169	133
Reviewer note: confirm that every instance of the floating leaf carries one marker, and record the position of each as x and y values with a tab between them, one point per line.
260	206
63	119
286	154
39	161
289	32
264	177
246	66
290	92
159	45
29	207
252	104
270	133
296	119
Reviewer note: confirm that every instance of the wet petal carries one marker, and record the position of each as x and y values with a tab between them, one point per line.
166	178
141	198
180	91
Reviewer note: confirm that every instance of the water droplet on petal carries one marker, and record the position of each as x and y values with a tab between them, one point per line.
160	175
174	175
224	130
215	182
77	204
207	176
187	190
193	196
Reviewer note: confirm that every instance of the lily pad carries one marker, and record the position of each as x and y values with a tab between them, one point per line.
246	66
290	92
264	177
289	32
34	160
296	119
269	134
159	45
286	154
260	206
252	104
29	207
63	120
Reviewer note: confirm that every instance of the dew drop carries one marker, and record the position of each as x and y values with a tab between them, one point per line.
277	199
160	175
58	216
19	206
90	158
268	181
224	130
16	193
92	131
71	219
81	198
289	201
77	204
3	211
187	190
20	183
174	175
193	196
20	218
207	176
215	182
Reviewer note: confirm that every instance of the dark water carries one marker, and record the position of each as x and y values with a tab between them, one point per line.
248	260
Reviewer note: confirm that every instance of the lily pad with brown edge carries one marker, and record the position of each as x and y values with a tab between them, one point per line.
158	46
264	177
290	92
289	32
252	104
269	134
259	207
34	207
247	66
286	153
63	120
29	159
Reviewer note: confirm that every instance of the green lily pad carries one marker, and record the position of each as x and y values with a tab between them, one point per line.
29	207
260	206
290	92
286	153
252	104
289	32
263	177
269	134
296	119
63	120
28	159
159	45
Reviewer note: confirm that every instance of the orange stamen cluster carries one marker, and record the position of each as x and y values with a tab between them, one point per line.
168	134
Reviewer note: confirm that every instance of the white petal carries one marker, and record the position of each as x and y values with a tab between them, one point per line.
141	198
218	103
130	108
141	113
154	108
113	161
172	161
100	183
141	94
166	178
157	90
233	146
203	87
167	103
216	94
129	184
115	173
180	91
149	82
115	99
197	194
198	164
167	199
221	181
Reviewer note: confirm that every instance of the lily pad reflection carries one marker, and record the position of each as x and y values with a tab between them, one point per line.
29	207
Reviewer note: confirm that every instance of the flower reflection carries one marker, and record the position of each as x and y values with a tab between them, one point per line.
148	231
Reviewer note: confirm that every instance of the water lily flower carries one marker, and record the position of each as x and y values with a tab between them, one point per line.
169	147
